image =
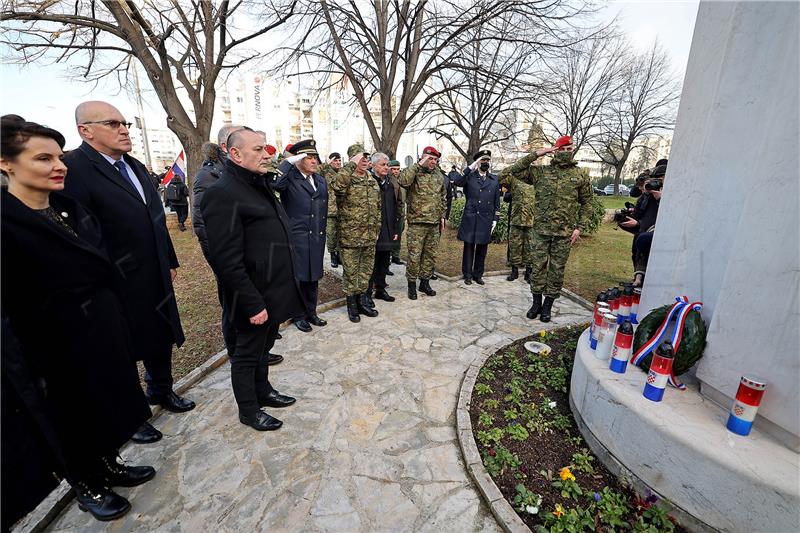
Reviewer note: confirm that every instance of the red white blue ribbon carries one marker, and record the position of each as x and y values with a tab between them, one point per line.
679	311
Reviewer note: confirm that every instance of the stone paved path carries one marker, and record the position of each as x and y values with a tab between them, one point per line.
370	444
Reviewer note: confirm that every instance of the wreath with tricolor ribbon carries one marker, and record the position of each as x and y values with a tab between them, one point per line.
688	337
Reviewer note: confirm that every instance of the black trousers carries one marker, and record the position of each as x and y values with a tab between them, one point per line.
182	211
158	371
249	369
308	292
226	323
473	259
380	267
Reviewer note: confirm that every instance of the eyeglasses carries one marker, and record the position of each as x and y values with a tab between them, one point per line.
113	124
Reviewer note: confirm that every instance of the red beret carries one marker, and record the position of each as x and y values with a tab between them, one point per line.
288	147
270	149
564	140
430	150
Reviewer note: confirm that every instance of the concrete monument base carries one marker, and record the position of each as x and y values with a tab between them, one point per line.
681	449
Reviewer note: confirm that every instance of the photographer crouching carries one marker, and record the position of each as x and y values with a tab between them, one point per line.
641	220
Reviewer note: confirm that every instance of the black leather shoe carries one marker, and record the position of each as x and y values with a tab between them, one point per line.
547	308
467	280
363	306
172	402
102	502
536	307
302	325
352	309
279	336
412	290
146	434
434	277
425	287
514	274
260	421
274	359
389	272
381	294
397	261
117	475
317	321
276	399
480	281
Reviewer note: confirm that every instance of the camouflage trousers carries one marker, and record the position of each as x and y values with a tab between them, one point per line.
550	254
357	266
520	246
423	242
400	227
332	234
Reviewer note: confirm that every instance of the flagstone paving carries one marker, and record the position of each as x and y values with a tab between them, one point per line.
369	445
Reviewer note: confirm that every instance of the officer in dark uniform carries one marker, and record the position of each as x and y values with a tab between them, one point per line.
481	213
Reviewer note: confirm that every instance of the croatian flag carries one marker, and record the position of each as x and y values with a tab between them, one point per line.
178	168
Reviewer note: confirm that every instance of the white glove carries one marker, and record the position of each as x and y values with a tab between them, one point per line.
474	164
296	158
494	225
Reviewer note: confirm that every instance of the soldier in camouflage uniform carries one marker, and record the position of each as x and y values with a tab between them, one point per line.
520	229
328	171
561	211
359	198
424	184
394	173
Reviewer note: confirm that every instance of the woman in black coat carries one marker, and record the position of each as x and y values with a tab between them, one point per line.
74	343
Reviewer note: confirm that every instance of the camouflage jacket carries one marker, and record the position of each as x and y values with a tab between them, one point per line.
359	200
562	194
426	193
328	172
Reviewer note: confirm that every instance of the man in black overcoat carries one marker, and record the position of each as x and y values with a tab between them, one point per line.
117	189
250	252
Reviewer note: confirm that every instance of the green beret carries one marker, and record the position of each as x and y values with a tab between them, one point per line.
394	163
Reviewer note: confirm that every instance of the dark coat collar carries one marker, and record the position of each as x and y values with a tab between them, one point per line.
242	174
108	170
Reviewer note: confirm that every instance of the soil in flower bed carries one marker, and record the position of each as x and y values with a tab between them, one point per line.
528	439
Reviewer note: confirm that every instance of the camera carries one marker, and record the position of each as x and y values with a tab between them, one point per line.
654	184
621	215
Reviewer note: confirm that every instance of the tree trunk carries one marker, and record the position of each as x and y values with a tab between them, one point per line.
192	149
617	174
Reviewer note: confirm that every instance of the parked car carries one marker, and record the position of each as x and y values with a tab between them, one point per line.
623	190
599	192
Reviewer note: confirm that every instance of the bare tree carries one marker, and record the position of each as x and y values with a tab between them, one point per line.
390	50
645	105
583	79
484	102
184	46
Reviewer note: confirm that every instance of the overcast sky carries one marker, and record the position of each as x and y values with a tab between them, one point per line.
46	94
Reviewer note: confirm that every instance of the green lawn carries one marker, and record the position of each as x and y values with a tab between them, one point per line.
615	202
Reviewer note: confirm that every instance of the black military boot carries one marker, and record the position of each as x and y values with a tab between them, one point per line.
103	503
412	290
118	475
514	274
368	296
425	286
334	260
528	274
363	307
352	309
547	307
536	307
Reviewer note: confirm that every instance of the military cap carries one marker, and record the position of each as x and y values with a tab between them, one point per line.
334	155
564	140
355	149
482	154
659	171
306	146
271	150
430	150
288	148
662	162
394	163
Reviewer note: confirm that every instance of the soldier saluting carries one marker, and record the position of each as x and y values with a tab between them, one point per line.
425	199
561	211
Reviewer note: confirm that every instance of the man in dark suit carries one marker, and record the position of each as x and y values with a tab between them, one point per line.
117	189
304	196
250	252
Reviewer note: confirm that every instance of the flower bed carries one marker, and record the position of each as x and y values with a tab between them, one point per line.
534	452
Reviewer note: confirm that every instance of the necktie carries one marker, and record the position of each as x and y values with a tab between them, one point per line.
124	171
311	182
